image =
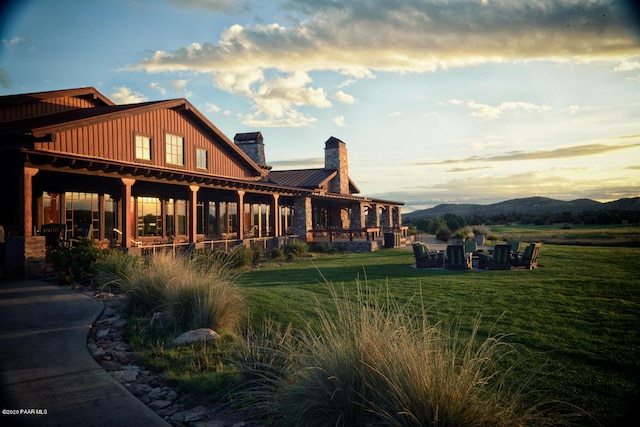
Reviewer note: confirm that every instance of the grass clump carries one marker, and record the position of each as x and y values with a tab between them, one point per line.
373	361
193	291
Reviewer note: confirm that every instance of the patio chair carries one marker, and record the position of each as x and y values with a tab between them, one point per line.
53	234
500	259
426	258
515	245
470	246
457	259
529	257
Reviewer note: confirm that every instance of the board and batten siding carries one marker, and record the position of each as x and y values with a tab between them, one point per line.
115	140
41	107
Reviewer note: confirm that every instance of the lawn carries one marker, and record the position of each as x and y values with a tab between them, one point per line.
575	320
612	235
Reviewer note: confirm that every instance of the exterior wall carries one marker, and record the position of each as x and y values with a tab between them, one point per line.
114	140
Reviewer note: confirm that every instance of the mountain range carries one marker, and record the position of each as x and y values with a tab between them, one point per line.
528	205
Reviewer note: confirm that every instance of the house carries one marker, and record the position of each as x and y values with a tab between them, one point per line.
160	173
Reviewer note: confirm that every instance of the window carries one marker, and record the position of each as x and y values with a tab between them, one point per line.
174	149
201	158
143	147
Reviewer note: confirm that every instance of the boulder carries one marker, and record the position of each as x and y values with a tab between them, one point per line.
196	335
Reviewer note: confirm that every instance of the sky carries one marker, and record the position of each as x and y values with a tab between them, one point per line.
460	101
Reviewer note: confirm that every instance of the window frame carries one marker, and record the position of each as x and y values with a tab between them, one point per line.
199	151
169	154
137	135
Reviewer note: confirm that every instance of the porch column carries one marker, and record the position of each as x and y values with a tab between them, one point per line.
25	204
373	219
386	217
192	219
240	214
275	216
303	219
397	216
126	224
357	216
101	231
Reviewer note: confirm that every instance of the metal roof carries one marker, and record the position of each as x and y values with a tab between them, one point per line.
303	178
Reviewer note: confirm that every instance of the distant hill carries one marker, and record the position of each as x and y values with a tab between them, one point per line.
528	205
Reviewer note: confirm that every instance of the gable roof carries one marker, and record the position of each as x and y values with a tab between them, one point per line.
83	92
41	126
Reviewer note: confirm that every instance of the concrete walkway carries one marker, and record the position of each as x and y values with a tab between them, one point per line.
45	365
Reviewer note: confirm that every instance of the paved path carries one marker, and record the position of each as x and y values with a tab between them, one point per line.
45	364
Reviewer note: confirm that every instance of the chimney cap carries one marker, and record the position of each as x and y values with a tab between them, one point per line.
333	142
248	137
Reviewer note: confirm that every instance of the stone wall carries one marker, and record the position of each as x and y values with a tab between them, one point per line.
25	257
358	247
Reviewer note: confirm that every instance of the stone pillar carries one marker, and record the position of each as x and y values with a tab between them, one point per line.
126	224
25	204
303	219
397	216
240	213
357	216
386	220
373	220
192	215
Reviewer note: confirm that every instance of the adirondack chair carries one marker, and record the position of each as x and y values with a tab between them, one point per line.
53	234
470	246
500	259
515	245
426	258
529	257
83	230
457	259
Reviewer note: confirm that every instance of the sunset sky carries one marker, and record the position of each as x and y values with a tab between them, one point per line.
461	101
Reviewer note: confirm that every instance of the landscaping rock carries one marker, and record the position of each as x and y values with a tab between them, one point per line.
196	335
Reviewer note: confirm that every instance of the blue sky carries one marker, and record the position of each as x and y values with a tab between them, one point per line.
461	101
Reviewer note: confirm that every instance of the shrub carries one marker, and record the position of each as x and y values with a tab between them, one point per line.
77	263
240	256
294	250
443	234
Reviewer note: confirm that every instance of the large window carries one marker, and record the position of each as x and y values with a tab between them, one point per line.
149	214
82	208
201	158
143	147
174	149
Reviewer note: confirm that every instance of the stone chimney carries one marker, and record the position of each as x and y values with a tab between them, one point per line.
252	144
335	158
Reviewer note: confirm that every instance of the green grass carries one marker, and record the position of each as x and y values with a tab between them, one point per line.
575	320
612	235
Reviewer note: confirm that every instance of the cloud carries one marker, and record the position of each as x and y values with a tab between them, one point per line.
5	79
558	153
124	95
486	111
210	5
158	87
627	66
344	98
211	108
12	41
339	121
531	183
310	162
178	87
358	38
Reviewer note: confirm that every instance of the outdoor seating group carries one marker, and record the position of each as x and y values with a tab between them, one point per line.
464	256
